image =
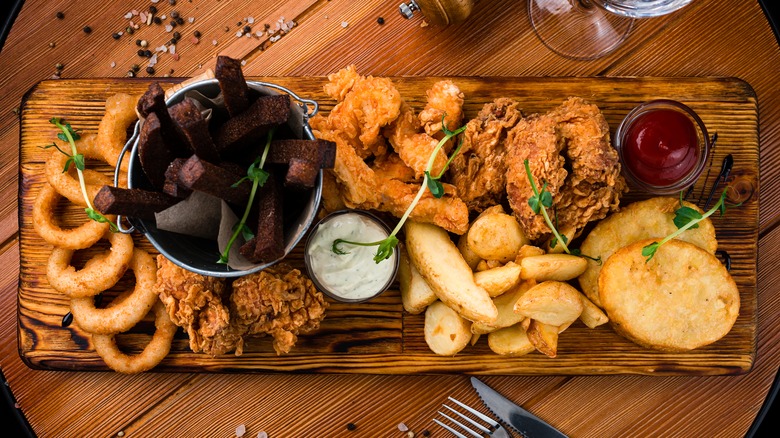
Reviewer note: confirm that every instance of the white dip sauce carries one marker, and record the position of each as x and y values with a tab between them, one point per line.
355	275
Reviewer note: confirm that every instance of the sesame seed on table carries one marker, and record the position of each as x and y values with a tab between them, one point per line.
150	40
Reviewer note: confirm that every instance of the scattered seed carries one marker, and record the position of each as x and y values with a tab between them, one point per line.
60	15
344	24
130	74
177	35
247	29
87	29
351	426
196	34
153	9
241	429
150	70
68	318
120	433
130	30
157	20
115	36
380	21
214	42
52	44
172	2
191	20
179	21
113	64
135	68
403	427
59	66
426	432
168	28
410	434
140	52
174	14
144	43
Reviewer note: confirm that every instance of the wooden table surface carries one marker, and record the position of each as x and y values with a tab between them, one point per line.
707	38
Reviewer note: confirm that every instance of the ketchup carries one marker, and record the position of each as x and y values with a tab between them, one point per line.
661	147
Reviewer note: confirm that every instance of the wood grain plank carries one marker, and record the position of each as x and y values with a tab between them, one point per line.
377	337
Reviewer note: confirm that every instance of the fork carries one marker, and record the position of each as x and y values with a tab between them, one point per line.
494	429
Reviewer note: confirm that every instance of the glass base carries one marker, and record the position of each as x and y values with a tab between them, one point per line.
577	29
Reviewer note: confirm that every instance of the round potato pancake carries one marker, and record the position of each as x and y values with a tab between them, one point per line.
683	298
649	219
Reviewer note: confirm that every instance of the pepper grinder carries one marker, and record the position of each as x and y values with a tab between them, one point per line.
438	12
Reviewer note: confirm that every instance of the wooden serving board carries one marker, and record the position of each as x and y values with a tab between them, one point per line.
378	337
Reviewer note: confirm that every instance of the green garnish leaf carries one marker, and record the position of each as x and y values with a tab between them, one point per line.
649	250
385	249
435	186
98	217
684	215
546	197
78	161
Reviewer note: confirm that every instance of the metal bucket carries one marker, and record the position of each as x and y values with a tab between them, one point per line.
201	255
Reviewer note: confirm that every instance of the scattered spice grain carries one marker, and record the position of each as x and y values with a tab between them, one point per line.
52	44
68	318
150	70
115	36
197	34
87	29
380	21
351	426
60	15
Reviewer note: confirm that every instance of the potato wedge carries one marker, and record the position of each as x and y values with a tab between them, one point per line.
544	337
558	267
416	293
496	281
592	316
442	266
496	237
484	265
468	255
510	341
446	332
528	251
505	304
551	302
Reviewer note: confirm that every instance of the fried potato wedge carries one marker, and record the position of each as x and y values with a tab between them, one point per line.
650	219
505	304
558	267
498	280
496	236
484	265
510	341
442	266
544	337
592	315
446	332
416	293
468	255
683	298
551	302
528	251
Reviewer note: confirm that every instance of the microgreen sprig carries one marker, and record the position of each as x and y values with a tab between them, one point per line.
539	203
385	246
686	218
258	177
76	159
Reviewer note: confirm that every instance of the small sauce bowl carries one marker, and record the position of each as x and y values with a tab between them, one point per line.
663	146
352	277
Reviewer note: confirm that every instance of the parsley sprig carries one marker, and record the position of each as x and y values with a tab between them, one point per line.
539	203
258	177
686	218
70	136
385	246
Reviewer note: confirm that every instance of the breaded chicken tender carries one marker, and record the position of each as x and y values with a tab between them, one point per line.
478	171
569	150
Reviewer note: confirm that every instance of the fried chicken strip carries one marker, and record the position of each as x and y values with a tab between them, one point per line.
444	100
478	171
414	147
574	135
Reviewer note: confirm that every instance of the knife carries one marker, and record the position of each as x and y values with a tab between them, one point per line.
521	420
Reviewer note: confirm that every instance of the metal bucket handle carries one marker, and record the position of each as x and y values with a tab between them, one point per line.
304	103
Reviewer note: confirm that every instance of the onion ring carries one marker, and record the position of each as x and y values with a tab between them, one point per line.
112	131
124	312
154	352
83	236
67	183
99	273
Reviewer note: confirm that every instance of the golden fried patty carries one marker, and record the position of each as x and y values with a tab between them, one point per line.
683	298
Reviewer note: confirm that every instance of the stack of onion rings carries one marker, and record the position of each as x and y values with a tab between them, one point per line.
104	270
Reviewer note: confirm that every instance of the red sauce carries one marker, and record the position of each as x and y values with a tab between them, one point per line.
661	147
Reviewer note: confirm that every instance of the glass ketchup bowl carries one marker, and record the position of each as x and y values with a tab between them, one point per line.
663	146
